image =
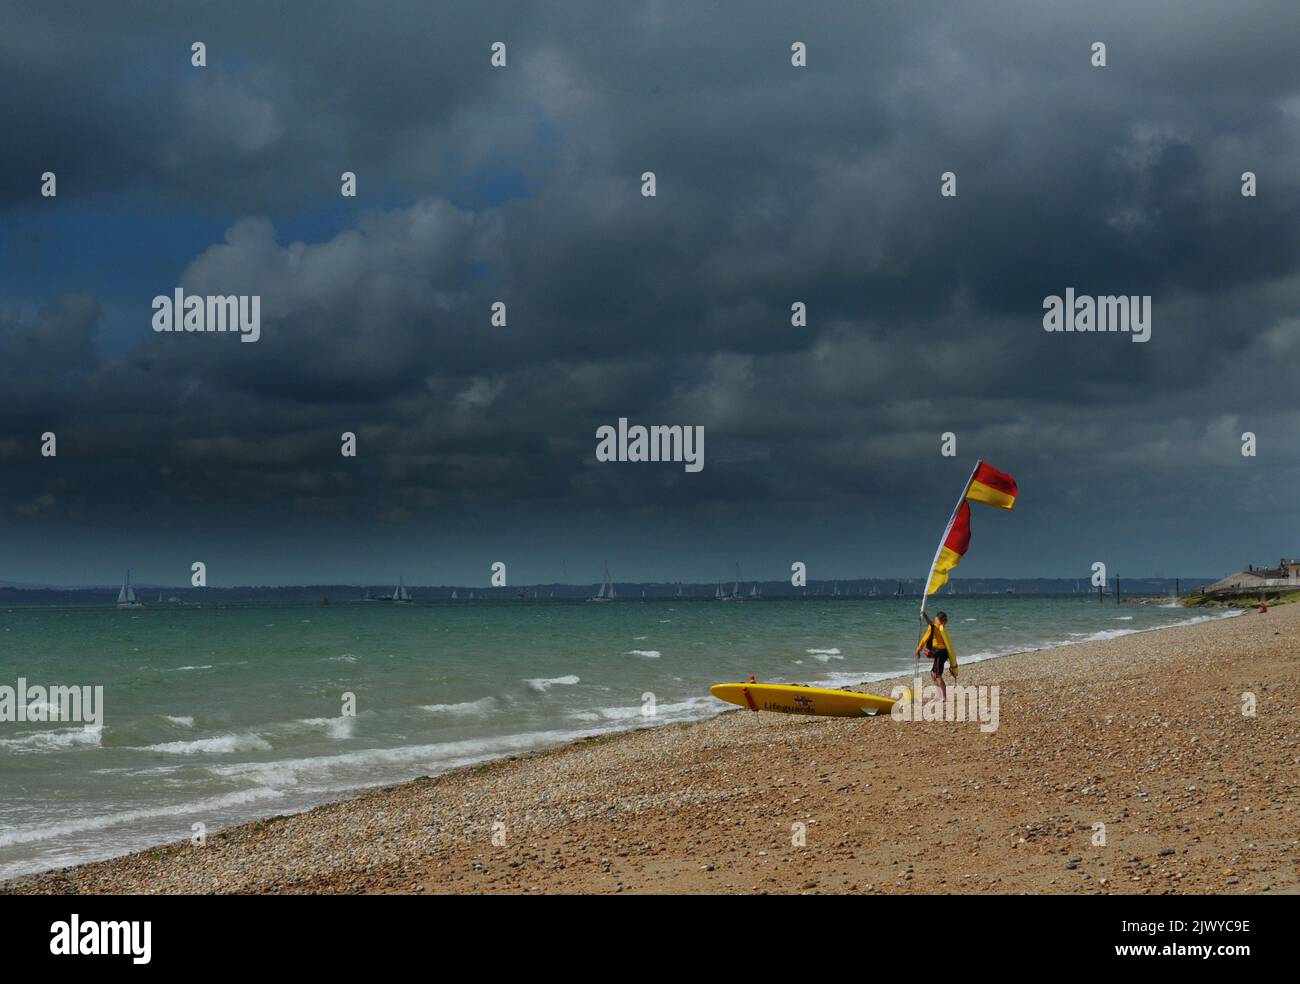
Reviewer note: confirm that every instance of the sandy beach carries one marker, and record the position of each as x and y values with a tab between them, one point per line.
1144	734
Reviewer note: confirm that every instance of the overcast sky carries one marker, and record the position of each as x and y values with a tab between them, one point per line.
522	184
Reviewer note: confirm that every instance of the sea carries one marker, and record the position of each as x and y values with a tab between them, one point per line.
216	715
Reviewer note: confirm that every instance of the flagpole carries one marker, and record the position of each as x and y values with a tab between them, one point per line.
925	597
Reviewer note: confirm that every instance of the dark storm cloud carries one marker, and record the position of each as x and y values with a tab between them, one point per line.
775	184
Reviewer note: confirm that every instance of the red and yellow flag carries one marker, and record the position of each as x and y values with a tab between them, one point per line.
987	485
952	549
992	487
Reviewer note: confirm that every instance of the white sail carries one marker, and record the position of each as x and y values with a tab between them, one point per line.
126	597
606	592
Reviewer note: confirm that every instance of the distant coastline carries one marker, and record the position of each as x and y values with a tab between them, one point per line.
627	592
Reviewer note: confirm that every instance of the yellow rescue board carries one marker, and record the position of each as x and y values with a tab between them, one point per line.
789	699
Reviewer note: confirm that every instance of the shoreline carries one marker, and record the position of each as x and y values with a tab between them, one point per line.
866	681
622	811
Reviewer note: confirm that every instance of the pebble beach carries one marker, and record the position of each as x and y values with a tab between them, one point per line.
1120	766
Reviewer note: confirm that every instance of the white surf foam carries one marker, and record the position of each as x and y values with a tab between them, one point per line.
40	832
377	766
1102	635
337	728
55	740
467	708
543	684
648	653
222	744
288	773
663	713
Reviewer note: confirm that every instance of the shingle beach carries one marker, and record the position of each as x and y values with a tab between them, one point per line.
1120	766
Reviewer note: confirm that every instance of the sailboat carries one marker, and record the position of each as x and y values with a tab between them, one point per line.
126	597
735	594
679	589
454	595
606	592
835	589
401	596
754	592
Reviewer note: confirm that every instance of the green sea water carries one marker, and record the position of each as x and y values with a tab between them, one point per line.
217	715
